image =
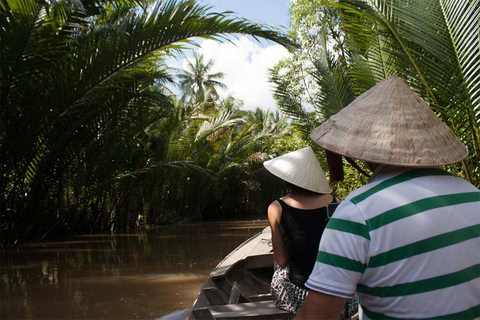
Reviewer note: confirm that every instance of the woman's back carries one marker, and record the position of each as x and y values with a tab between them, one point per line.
301	230
297	224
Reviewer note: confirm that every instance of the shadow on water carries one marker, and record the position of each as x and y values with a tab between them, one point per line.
122	276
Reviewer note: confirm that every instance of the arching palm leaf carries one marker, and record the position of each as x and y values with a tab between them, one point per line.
68	79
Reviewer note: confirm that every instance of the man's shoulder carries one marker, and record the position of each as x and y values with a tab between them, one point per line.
398	178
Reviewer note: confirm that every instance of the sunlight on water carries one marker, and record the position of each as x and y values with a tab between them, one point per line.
159	278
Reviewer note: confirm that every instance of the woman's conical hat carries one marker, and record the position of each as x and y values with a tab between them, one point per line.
300	168
390	124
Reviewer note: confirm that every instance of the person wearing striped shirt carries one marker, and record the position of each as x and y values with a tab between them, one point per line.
408	242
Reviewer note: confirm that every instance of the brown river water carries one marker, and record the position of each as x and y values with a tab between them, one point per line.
142	275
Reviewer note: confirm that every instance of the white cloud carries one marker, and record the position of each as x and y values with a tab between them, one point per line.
245	65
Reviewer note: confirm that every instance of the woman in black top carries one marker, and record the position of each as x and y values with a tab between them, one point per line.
297	221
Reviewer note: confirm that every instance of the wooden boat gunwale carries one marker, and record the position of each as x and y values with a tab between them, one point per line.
243	275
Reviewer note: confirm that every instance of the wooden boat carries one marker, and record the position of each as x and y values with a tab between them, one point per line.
239	287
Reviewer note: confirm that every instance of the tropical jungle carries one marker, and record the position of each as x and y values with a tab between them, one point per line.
94	139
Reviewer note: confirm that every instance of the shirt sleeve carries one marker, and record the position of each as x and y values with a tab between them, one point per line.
343	253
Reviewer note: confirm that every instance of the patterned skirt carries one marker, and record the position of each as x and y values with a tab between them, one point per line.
288	296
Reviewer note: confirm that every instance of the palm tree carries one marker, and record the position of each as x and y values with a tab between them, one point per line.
197	84
71	73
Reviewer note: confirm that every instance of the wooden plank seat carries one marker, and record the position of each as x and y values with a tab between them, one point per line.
250	310
215	296
260	297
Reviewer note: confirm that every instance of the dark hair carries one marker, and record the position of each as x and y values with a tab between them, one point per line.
293	187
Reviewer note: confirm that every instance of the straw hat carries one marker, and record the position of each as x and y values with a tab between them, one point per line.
390	124
300	168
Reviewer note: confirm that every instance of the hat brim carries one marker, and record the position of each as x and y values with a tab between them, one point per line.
390	124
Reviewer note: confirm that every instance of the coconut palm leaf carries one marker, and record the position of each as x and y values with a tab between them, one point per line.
433	45
177	166
291	104
333	78
71	81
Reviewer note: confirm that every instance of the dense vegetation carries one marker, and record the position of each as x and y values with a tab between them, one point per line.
92	139
347	46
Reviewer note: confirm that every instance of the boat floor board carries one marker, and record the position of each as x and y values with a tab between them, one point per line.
249	310
250	285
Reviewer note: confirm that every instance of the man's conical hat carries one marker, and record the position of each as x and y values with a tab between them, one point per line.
390	124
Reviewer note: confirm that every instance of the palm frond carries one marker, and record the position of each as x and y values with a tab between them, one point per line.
289	104
433	46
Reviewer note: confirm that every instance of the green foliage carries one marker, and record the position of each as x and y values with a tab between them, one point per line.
347	47
433	46
86	118
353	180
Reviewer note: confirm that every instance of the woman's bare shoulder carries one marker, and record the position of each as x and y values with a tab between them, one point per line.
274	210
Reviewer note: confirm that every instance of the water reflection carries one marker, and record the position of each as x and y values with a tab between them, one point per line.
125	276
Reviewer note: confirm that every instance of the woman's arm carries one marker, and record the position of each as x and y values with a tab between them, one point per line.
279	251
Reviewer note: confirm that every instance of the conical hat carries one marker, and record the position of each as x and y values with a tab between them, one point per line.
390	124
300	168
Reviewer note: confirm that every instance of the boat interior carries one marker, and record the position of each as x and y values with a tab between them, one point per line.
239	287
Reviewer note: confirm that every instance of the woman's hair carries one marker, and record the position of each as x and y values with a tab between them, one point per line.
293	187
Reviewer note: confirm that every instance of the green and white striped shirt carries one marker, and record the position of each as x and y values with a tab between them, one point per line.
408	244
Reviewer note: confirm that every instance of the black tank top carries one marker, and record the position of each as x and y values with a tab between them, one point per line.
301	231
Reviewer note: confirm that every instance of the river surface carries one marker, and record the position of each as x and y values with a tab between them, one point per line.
142	275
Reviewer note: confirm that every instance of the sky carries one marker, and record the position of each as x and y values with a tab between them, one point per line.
245	62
